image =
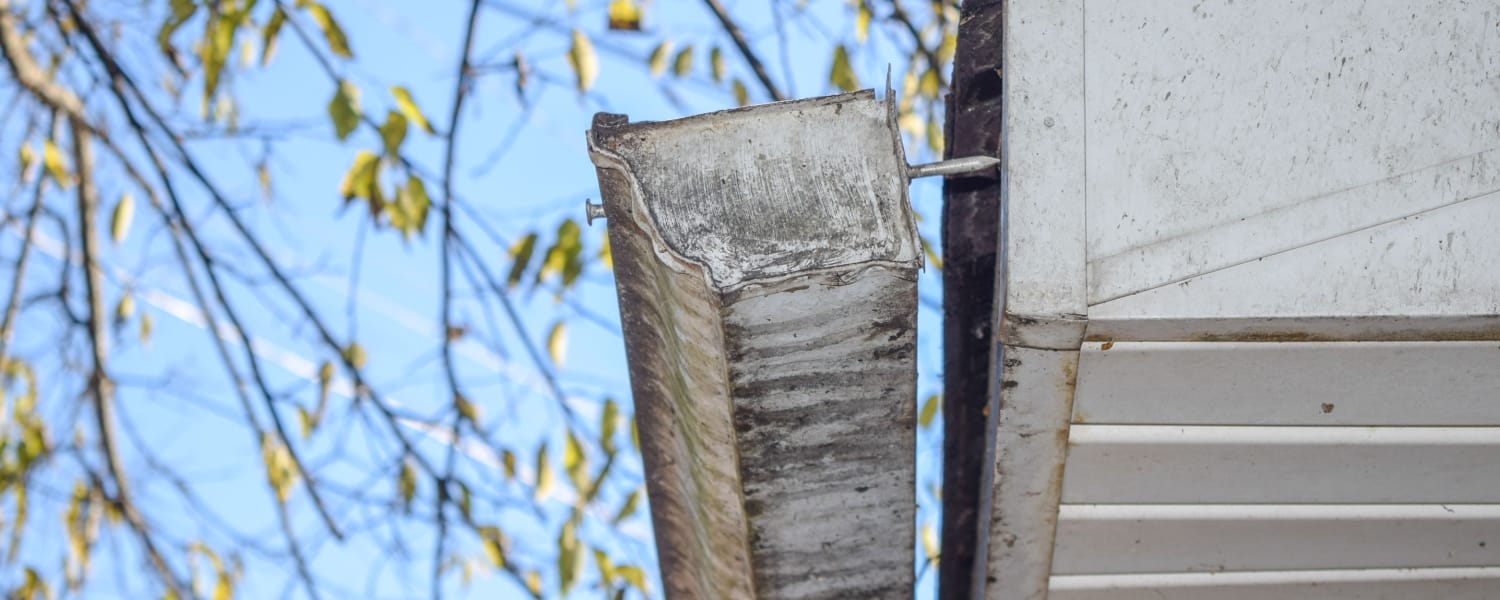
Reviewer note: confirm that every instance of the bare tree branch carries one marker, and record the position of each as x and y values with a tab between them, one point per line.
744	47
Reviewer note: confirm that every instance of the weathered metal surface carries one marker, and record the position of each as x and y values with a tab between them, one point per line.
1030	450
1176	538
1462	583
768	297
1282	465
1288	383
970	223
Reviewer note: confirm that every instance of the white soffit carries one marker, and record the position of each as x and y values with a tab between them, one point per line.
1221	132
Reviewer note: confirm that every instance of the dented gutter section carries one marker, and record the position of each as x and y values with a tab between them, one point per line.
766	262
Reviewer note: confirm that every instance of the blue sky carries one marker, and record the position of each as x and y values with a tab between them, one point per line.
522	167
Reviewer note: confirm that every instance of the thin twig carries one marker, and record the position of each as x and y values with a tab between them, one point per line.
745	51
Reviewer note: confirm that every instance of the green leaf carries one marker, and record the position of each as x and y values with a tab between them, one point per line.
520	255
682	64
57	168
716	64
508	460
406	484
408	107
343	109
841	74
741	94
269	34
465	409
557	343
929	410
628	508
338	43
543	473
585	64
361	179
624	15
494	544
182	10
409	213
567	555
657	63
218	39
609	420
932	256
393	132
305	422
947	47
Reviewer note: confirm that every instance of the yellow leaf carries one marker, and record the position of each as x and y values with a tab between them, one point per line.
862	23
119	221
682	64
534	582
359	181
343	109
628	508
355	354
508	460
223	589
624	15
409	213
932	257
25	156
281	473
125	308
557	343
393	132
305	421
947	47
408	107
520	255
145	329
494	544
338	43
929	542
465	409
585	64
934	136
929	410
606	568
57	168
635	576
657	63
716	63
269	34
576	464
841	74
606	256
406	484
931	84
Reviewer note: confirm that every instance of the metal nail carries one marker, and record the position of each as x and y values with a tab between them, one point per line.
959	166
593	211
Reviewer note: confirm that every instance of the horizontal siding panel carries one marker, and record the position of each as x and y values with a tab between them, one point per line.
1369	584
1289	383
1212	538
1139	464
